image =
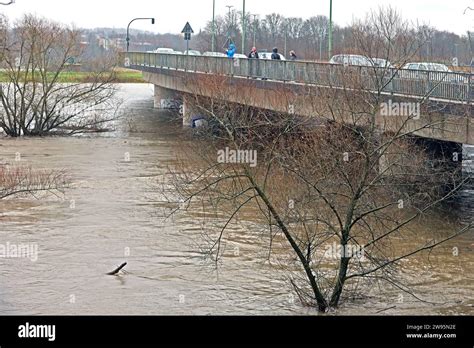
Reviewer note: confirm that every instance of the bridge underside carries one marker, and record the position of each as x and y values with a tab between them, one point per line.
437	120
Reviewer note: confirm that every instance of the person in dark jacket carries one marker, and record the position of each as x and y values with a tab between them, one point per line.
293	55
253	53
275	55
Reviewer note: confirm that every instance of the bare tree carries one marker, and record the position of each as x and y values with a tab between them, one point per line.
20	180
34	101
336	187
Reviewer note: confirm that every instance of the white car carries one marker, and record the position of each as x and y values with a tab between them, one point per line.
381	63
427	66
350	59
268	55
240	56
192	53
164	50
437	71
214	54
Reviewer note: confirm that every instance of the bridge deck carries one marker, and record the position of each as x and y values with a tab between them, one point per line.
263	84
448	87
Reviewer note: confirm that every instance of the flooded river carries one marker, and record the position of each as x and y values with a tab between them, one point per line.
109	216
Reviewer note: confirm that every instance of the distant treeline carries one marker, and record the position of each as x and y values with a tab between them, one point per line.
309	38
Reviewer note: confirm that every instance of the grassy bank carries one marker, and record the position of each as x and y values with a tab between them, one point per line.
122	76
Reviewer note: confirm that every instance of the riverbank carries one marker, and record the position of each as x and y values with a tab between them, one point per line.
122	76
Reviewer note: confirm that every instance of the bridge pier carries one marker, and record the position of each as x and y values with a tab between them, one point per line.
189	111
161	95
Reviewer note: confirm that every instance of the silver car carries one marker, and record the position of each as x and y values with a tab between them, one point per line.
214	54
350	59
381	63
435	71
240	56
164	50
192	53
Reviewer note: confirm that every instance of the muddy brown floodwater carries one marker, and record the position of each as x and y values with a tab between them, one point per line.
109	216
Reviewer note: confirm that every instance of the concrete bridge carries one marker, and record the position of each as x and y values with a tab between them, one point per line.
283	86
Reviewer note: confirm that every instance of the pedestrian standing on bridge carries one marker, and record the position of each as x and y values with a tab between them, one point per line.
253	53
293	56
231	51
275	55
254	64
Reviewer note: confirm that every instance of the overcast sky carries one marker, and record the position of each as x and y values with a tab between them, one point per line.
171	15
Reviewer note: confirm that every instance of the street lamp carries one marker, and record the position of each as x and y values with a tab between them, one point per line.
229	7
231	24
321	38
128	28
254	30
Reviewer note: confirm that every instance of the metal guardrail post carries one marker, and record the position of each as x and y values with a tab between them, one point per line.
392	77
469	90
306	70
428	83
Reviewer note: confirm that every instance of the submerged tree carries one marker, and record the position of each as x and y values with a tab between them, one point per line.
335	187
21	181
35	95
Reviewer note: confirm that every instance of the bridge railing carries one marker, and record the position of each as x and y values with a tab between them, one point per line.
433	84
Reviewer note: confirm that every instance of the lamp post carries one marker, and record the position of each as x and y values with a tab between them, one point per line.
231	19
128	28
330	30
321	37
254	30
213	26
231	24
244	24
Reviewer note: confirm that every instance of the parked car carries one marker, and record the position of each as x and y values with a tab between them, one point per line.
268	55
350	59
192	53
214	54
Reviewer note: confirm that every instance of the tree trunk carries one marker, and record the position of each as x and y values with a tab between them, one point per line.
336	295
318	296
